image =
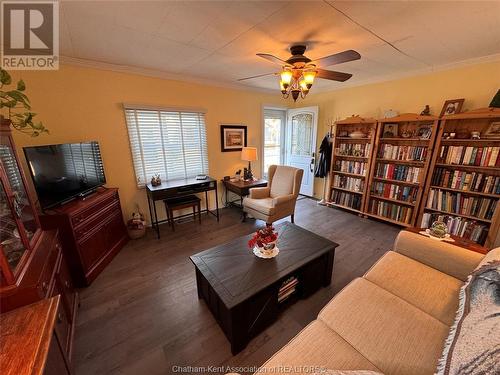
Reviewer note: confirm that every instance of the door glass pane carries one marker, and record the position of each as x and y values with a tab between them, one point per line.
272	142
10	241
302	134
20	200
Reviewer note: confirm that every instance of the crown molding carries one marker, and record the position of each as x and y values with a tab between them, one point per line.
413	73
154	73
234	86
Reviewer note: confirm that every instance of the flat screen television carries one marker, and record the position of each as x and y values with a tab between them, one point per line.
63	172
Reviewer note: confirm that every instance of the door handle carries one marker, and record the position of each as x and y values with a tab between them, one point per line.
311	165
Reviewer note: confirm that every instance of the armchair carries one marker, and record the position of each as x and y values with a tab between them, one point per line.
278	199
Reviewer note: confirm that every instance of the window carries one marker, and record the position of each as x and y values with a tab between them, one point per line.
170	143
274	126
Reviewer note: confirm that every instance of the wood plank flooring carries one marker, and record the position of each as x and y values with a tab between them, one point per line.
142	314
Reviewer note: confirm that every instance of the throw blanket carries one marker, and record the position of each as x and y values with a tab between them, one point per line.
473	345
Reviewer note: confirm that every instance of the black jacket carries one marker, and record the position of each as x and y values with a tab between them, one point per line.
325	156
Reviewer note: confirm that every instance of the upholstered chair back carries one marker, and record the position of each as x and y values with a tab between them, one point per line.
284	180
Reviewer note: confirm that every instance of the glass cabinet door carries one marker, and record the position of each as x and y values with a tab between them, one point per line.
10	240
20	201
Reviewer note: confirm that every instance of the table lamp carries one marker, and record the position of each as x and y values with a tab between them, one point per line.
249	154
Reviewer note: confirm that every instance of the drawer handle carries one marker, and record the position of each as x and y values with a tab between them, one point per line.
59	318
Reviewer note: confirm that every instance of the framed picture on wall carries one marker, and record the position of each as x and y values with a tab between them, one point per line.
233	137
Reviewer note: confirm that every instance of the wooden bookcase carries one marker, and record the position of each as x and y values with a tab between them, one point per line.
351	162
399	168
454	191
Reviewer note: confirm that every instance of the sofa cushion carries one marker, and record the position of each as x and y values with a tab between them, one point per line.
432	291
316	347
395	336
264	205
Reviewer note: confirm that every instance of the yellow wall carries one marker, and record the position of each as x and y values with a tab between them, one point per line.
79	104
477	84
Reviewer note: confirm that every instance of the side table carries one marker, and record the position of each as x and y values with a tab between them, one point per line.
459	241
240	188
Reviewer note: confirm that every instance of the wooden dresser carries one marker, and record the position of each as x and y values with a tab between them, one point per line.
31	342
92	232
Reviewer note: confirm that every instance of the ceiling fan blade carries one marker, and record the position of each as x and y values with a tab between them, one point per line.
257	76
334	76
338	58
273	59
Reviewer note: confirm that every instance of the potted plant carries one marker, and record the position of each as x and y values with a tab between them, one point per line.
17	106
263	242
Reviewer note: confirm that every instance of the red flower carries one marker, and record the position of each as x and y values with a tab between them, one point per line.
262	237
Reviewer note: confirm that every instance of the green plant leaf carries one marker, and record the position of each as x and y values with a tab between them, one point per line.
5	77
21	86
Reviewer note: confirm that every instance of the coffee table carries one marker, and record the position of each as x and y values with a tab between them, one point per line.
241	290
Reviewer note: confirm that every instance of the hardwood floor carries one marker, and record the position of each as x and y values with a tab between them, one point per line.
142	314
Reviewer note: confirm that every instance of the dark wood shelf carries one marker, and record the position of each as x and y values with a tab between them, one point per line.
469	167
350	157
468	192
417	163
459	215
347	190
389	220
350	174
396	181
396	201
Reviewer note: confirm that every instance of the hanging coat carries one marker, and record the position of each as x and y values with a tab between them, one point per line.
325	157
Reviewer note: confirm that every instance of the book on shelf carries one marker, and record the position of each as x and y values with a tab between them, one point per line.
458	226
470	155
353	149
466	181
461	204
346	199
350	166
287	288
394	191
402	152
398	172
349	183
391	210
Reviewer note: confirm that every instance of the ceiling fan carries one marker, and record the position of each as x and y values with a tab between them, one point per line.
298	72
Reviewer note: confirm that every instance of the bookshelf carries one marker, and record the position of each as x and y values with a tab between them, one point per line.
353	140
465	185
401	159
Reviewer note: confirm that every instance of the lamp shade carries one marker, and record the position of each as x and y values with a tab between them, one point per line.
249	153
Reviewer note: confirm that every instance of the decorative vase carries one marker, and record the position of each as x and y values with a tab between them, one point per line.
439	229
267	251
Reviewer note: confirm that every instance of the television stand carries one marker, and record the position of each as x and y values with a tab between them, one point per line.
92	232
85	195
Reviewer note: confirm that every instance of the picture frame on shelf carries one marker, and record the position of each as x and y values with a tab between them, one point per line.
493	130
452	107
390	130
424	132
233	137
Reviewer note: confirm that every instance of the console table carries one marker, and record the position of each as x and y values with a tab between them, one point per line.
179	188
240	188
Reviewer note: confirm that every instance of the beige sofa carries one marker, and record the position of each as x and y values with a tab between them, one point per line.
393	320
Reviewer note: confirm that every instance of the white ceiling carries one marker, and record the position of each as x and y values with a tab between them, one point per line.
217	40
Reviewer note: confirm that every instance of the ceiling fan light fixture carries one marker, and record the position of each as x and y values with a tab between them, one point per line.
309	76
286	77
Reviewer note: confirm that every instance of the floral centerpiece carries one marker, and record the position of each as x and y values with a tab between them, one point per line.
263	242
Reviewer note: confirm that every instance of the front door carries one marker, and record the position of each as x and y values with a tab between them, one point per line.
301	144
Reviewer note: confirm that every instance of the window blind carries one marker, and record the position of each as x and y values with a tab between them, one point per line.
170	143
